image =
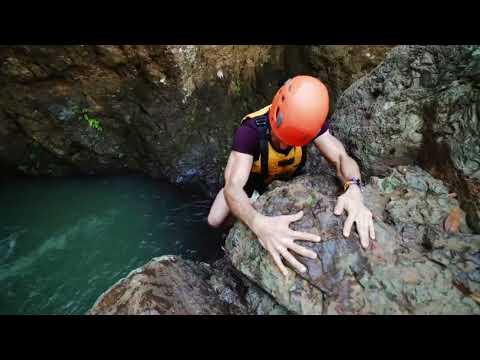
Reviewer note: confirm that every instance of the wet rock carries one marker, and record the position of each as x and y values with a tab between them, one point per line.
420	106
413	267
246	293
166	286
170	285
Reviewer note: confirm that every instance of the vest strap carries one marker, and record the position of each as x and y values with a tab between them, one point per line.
263	134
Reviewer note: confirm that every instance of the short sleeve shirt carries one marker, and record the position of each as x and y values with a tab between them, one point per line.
246	139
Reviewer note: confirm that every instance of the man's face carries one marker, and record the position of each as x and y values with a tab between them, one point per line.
278	143
283	146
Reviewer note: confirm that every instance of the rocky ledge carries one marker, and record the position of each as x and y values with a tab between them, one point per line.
415	266
170	285
425	259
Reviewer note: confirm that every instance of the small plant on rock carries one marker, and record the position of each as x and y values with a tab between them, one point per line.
93	122
236	87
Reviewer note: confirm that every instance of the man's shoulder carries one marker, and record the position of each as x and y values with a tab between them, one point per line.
249	123
246	138
248	128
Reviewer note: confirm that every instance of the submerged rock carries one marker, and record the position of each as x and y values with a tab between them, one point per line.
413	267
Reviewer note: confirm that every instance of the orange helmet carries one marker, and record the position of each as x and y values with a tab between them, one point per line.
299	110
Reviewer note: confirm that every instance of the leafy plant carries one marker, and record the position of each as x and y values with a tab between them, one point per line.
236	87
93	122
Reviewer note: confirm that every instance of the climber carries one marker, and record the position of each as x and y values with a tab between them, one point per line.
271	144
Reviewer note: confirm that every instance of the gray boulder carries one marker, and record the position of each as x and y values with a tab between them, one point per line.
419	106
413	267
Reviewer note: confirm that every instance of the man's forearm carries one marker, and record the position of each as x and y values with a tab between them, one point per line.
240	205
347	169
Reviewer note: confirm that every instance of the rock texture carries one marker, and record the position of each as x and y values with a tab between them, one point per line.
340	65
420	106
170	285
412	123
425	260
168	111
161	108
413	267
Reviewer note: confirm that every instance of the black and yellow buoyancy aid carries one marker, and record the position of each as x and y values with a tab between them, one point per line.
271	163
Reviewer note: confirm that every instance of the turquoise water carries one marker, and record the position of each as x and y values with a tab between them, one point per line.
63	242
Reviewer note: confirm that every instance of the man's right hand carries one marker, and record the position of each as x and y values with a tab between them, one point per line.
277	238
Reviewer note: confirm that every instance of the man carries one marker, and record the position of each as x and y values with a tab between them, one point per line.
270	144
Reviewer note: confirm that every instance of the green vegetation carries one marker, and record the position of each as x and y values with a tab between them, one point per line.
94	123
236	87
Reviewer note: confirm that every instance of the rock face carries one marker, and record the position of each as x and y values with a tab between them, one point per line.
168	111
420	106
164	110
170	285
414	266
340	65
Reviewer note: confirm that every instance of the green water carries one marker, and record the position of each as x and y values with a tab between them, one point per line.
63	242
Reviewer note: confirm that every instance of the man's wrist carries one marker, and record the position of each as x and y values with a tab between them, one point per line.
256	222
354	189
354	194
353	182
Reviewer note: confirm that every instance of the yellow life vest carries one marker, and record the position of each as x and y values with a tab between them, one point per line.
279	164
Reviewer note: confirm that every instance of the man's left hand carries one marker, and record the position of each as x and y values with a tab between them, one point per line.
352	202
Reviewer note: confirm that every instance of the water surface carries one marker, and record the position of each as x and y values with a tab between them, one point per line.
64	241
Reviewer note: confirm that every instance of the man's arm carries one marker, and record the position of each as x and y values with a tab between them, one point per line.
352	200
334	151
237	173
274	232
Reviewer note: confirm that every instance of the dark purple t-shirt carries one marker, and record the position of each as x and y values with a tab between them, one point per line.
246	139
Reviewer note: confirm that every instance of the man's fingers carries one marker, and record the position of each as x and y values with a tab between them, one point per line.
362	228
278	261
339	207
303	251
371	229
294	262
305	236
348	225
294	217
